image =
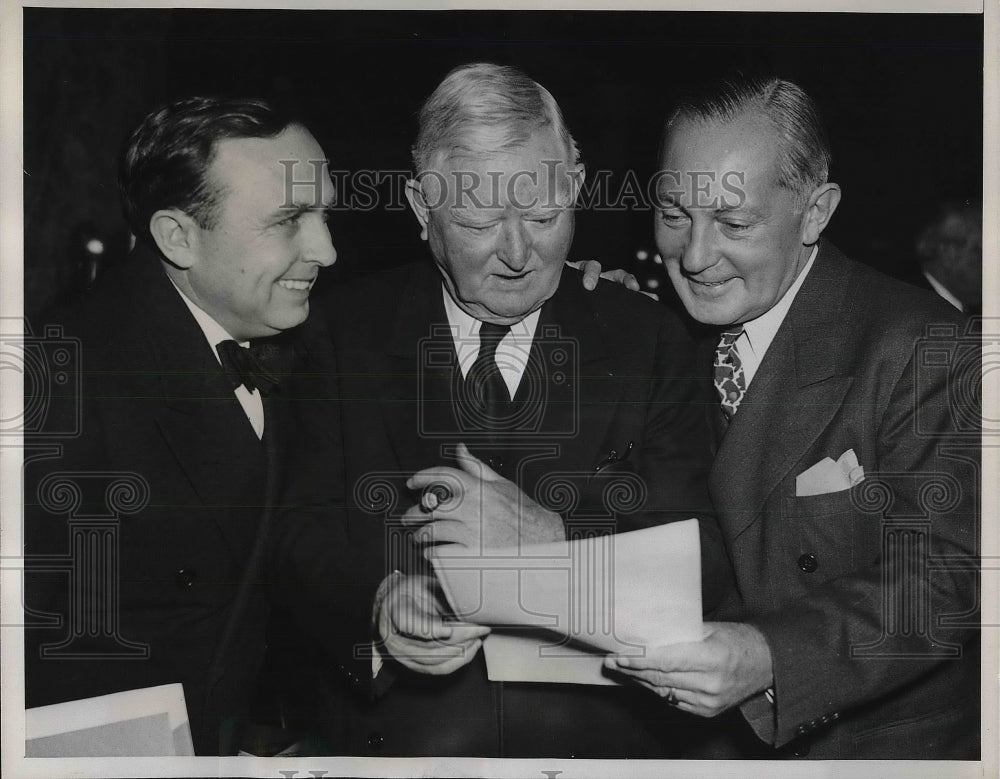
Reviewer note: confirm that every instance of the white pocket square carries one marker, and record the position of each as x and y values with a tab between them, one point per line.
828	476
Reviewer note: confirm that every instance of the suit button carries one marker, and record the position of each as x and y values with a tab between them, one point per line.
185	578
808	563
375	741
801	750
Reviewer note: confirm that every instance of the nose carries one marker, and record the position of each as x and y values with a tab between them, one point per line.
700	252
318	245
515	245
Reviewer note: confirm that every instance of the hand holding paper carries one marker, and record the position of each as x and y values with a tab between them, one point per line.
616	593
730	664
410	619
484	511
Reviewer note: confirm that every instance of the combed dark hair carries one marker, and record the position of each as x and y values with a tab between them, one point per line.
805	161
166	158
482	94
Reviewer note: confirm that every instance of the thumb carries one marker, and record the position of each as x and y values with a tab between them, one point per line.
474	466
591	274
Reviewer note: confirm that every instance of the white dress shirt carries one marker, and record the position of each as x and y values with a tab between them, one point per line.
758	333
943	291
253	405
512	351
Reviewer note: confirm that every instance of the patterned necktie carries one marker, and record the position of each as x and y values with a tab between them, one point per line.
243	366
729	380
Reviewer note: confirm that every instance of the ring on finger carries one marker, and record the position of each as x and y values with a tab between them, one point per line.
672	697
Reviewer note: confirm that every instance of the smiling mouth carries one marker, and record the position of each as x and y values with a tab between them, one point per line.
709	283
297	285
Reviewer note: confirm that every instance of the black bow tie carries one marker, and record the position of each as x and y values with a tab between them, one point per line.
244	366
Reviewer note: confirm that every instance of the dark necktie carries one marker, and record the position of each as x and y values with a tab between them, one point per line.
244	366
485	386
730	382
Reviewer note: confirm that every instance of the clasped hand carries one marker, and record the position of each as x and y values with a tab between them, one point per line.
485	510
411	619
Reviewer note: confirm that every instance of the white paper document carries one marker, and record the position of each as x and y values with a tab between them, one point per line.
136	723
556	609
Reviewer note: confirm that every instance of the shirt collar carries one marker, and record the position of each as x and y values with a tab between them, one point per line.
213	331
761	331
942	290
468	326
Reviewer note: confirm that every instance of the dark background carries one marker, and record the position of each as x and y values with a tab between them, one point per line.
901	94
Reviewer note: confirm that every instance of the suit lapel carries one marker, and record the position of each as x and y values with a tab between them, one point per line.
796	393
581	392
201	421
569	344
421	366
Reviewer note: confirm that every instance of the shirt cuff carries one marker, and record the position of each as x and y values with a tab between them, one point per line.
383	588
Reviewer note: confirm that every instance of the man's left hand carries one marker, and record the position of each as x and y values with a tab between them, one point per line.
484	511
730	664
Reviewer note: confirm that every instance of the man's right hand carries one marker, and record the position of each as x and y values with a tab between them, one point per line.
409	615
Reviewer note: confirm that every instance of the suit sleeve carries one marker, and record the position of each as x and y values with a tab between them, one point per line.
317	572
857	638
677	456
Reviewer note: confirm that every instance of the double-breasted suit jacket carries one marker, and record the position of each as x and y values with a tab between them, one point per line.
867	596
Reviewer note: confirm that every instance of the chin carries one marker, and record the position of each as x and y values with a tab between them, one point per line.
290	319
515	309
709	314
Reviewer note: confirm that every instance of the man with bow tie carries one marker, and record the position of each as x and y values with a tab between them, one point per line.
193	353
847	456
550	403
204	385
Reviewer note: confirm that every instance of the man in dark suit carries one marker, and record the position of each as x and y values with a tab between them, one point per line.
847	467
949	254
581	402
146	531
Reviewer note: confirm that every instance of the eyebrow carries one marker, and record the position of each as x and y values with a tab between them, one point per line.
284	211
481	214
742	208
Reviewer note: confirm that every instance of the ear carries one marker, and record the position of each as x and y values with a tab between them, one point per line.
176	235
415	197
819	211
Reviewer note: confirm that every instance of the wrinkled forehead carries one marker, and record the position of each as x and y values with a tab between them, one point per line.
486	169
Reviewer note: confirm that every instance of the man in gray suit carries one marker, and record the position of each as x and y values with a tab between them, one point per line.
847	461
